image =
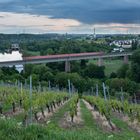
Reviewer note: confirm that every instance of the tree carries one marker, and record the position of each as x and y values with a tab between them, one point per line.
50	51
135	66
28	70
128	86
122	72
43	72
113	75
83	63
94	71
78	82
61	79
135	44
1	75
75	67
132	87
116	84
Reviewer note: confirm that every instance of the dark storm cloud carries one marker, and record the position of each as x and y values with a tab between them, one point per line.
86	11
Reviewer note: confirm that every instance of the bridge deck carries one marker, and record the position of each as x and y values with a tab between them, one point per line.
64	55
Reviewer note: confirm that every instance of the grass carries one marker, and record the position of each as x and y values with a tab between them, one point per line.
91	131
125	134
9	130
111	65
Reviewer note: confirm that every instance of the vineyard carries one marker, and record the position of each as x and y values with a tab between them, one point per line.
59	116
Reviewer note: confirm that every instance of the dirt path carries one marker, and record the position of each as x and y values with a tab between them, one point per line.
101	120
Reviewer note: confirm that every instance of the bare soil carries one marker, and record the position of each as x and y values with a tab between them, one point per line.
48	115
133	125
10	113
66	122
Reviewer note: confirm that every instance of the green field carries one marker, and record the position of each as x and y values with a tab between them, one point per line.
110	65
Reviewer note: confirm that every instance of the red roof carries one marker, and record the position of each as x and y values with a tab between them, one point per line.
63	55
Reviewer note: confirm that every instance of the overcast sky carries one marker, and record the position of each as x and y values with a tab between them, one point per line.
72	16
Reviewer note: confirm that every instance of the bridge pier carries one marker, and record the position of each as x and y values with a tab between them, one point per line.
100	62
67	66
125	59
24	69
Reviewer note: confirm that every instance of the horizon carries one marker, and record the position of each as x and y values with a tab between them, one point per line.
72	17
55	33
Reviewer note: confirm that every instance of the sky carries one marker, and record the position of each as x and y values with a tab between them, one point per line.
70	16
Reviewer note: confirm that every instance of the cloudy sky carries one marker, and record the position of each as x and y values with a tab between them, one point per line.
71	16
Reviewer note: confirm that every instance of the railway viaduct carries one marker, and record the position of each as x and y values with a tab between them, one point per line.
67	58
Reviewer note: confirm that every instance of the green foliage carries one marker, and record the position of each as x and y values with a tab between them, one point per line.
113	75
135	66
135	44
38	102
75	78
106	107
101	105
116	84
73	106
122	72
94	71
9	74
10	129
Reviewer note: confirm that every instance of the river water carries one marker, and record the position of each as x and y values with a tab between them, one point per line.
14	55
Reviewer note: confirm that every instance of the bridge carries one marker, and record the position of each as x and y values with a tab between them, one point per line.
66	58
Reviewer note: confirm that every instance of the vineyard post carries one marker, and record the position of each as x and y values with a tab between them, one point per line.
97	91
31	99
21	87
92	90
89	92
107	88
25	84
58	88
104	90
122	96
69	84
39	87
44	89
16	83
135	98
49	85
55	89
2	83
72	88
